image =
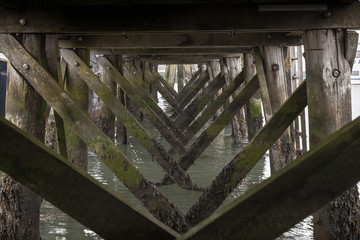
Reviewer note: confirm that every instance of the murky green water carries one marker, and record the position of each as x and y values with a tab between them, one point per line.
59	226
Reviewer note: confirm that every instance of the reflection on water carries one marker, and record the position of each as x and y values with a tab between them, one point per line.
57	225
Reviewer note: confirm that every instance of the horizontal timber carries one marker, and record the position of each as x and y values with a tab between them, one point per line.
178	40
172	51
173	18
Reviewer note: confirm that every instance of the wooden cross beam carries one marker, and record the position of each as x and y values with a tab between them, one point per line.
180	18
77	194
185	89
236	170
83	126
178	40
225	51
293	193
150	144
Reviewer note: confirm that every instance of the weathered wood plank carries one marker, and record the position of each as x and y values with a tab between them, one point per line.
193	89
174	18
153	79
152	116
77	193
168	40
195	107
125	117
236	170
105	149
191	130
189	83
204	140
308	183
166	85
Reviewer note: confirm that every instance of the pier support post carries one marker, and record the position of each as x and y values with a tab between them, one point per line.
283	150
329	100
180	77
3	80
121	131
19	207
254	117
107	118
79	92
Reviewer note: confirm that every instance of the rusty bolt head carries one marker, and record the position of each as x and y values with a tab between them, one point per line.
25	66
23	21
275	67
80	39
336	73
77	63
327	14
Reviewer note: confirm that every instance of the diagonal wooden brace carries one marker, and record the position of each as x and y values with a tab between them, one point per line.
80	123
125	117
236	170
189	83
88	201
195	127
158	118
290	195
195	107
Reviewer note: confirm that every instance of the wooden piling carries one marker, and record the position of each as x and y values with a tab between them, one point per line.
329	98
254	118
79	92
19	207
3	80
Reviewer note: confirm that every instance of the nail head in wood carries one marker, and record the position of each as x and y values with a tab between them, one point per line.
336	73
76	63
25	66
23	21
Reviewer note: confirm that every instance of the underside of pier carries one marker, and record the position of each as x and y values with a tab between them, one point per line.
235	63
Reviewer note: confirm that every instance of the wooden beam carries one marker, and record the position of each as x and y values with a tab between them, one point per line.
177	40
102	146
162	157
79	195
292	194
193	89
171	51
180	18
233	173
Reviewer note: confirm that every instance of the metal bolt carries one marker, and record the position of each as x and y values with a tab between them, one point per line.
25	66
23	21
327	14
338	30
76	63
80	39
107	68
268	36
336	73
275	67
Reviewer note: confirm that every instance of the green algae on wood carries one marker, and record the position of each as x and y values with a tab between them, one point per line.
104	148
77	194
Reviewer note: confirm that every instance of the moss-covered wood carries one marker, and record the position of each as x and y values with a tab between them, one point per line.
54	68
254	118
329	100
233	173
106	150
198	104
79	195
160	121
154	80
19	206
77	89
195	127
150	144
193	89
188	84
204	140
308	183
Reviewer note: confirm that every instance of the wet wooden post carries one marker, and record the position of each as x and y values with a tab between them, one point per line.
107	118
19	207
180	76
79	92
302	114
121	132
214	68
54	67
170	74
283	150
329	99
3	80
254	118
